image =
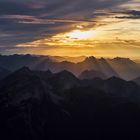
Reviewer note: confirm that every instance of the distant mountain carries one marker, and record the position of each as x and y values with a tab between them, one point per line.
91	63
126	68
45	105
3	73
91	74
118	67
15	62
107	69
67	58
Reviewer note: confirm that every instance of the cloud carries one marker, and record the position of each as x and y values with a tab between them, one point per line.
130	14
28	20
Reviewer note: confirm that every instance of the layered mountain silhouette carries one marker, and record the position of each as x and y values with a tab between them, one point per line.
118	67
45	105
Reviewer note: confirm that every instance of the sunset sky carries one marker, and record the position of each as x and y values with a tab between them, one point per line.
102	28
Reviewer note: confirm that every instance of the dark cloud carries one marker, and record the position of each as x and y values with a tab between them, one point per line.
134	12
9	7
131	14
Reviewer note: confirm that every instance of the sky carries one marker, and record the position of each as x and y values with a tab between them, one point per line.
102	28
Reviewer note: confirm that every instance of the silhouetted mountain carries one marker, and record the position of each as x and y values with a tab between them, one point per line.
118	67
27	104
126	68
91	74
137	80
101	116
63	80
3	73
88	64
117	87
65	65
107	69
14	62
100	65
67	58
46	105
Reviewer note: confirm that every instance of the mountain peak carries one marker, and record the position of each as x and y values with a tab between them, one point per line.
91	58
123	60
102	59
115	79
48	71
23	70
65	73
66	76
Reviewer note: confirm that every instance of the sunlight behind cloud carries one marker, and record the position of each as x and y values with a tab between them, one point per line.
77	34
111	34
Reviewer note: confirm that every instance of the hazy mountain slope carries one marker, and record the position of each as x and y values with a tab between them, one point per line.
100	65
126	68
107	69
89	63
61	66
91	74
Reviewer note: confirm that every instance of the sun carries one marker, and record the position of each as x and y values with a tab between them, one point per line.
78	34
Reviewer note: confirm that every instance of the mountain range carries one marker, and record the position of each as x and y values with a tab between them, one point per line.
123	68
44	105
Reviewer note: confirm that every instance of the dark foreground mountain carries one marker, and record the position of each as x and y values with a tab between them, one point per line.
137	80
3	73
44	105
